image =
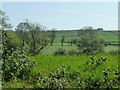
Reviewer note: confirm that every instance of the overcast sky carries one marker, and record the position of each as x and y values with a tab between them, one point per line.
64	15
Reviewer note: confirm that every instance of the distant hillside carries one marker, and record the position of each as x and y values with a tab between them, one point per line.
109	36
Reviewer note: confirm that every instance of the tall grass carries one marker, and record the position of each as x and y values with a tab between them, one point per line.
80	71
49	63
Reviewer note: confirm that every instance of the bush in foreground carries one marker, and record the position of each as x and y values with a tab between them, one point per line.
15	63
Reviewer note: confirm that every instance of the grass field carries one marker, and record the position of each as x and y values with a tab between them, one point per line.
47	64
109	36
49	50
111	48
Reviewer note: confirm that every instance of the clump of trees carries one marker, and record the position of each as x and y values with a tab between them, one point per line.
88	42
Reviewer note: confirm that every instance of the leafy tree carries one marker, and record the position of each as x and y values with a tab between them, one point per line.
13	38
33	35
89	43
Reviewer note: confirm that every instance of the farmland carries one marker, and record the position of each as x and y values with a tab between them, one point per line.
77	68
108	36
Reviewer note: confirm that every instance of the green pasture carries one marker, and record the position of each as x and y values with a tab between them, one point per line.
109	36
111	48
49	50
45	64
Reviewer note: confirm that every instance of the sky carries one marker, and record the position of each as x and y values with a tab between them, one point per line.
64	15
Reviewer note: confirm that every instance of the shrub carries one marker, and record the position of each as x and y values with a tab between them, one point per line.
73	52
89	43
60	51
15	63
89	46
13	39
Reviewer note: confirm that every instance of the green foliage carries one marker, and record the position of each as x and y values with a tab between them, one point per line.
91	72
89	44
62	78
60	51
15	63
13	39
36	45
110	78
33	35
93	63
73	52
